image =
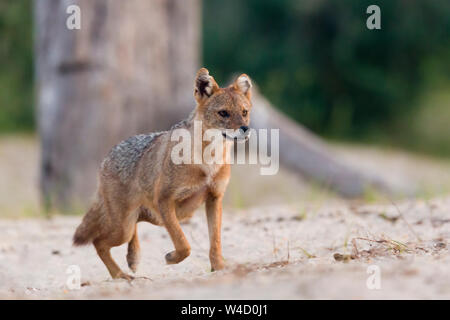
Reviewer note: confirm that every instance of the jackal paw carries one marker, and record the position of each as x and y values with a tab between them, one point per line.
218	265
123	275
133	266
177	256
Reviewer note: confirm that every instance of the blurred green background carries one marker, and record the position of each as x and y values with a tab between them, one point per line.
16	70
315	60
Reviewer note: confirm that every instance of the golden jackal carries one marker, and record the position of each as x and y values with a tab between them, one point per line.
138	181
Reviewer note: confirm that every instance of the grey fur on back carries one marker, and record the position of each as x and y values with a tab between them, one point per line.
123	158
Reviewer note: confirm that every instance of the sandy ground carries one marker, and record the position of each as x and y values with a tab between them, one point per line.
271	252
282	239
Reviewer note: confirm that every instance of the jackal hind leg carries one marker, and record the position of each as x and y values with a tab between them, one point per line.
104	252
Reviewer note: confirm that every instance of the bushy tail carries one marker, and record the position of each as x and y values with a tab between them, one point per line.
89	228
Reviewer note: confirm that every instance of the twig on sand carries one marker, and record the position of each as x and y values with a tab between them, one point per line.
396	243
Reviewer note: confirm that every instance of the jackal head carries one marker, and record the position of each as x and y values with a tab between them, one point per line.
226	109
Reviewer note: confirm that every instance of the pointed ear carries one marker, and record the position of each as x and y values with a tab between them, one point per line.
244	85
204	86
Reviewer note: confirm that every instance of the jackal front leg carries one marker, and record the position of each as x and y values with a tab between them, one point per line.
182	247
214	217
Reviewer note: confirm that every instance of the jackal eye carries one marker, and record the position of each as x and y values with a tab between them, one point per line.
244	113
223	113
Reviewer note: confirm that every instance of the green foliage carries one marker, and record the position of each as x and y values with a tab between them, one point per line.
16	69
317	61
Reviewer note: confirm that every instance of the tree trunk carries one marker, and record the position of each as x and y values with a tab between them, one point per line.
128	70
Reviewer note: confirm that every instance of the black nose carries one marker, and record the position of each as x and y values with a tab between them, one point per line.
244	129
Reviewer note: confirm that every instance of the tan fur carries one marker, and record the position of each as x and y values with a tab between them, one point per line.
151	188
